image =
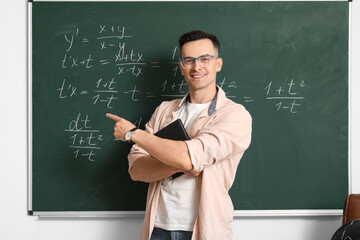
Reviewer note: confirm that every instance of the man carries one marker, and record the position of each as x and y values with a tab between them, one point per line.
195	205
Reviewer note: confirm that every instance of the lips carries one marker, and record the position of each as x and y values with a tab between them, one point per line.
198	76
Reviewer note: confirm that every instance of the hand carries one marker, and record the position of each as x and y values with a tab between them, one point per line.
121	127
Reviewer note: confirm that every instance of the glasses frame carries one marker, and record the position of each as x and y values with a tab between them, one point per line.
194	59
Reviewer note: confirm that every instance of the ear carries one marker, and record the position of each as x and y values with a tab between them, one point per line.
219	63
181	69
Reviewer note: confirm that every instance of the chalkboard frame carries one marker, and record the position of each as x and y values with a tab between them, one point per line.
238	213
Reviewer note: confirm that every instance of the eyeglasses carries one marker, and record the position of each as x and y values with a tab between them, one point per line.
189	62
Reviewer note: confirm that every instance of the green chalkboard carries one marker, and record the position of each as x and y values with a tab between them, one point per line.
286	62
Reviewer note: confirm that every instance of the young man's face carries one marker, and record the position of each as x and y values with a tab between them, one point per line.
198	77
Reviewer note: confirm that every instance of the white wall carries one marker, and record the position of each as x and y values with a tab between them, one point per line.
14	222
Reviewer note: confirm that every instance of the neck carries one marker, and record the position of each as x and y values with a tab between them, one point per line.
202	95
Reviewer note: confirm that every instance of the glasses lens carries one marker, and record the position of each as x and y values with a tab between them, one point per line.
204	60
187	62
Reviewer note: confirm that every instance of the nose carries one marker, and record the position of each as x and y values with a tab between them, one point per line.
197	64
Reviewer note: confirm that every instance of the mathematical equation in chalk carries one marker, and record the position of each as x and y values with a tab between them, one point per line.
106	91
286	96
112	42
128	65
83	138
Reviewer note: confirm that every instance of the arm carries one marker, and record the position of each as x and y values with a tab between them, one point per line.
149	169
172	153
169	152
227	136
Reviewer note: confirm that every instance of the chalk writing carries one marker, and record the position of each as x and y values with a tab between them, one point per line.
228	85
112	31
106	88
133	93
286	96
126	62
70	40
120	67
83	138
73	62
177	89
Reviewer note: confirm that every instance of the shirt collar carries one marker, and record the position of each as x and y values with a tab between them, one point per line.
212	107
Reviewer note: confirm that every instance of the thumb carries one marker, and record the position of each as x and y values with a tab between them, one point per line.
113	117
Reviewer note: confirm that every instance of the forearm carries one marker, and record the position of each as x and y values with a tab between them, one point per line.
169	152
149	169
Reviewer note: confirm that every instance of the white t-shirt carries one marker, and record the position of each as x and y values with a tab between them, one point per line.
179	197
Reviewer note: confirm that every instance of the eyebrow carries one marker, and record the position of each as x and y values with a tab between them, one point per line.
200	56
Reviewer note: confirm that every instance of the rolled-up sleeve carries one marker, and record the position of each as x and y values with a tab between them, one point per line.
227	135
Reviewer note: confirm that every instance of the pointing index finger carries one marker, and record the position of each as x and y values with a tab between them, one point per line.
113	117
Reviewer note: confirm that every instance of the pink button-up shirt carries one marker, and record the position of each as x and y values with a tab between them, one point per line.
219	137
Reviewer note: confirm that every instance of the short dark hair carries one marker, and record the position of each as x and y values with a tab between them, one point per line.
198	35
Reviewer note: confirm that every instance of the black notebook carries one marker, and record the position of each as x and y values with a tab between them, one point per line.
174	131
